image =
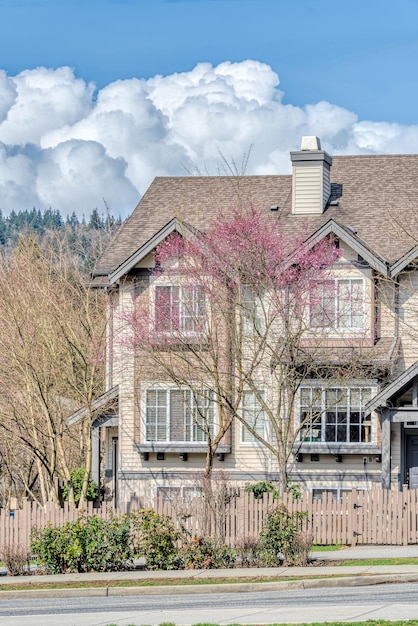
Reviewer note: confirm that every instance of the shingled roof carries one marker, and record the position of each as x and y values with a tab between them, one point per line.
377	197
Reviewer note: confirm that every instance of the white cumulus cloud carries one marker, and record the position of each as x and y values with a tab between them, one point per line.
64	145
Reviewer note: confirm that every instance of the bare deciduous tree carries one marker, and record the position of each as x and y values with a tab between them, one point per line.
52	344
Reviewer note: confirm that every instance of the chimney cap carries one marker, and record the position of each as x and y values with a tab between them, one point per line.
310	142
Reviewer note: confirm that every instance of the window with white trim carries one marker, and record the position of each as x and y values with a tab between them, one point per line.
338	303
334	415
179	308
178	494
251	312
178	415
254	415
337	492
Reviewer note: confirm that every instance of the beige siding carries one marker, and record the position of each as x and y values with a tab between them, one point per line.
408	325
311	188
246	462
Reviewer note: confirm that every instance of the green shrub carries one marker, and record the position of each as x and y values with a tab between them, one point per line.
280	535
88	544
260	488
155	538
203	553
77	478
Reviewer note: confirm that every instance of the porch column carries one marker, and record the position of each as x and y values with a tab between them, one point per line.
386	451
95	453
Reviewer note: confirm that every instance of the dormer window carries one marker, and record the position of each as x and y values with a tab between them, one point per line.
338	304
179	308
251	311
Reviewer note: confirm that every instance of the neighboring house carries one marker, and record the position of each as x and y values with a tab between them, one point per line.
368	433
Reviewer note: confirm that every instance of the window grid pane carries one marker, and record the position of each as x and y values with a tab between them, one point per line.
156	415
338	304
188	416
254	415
343	420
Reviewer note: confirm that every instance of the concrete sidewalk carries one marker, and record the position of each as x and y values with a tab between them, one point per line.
306	577
368	552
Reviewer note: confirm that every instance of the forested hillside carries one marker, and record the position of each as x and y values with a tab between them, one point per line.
85	237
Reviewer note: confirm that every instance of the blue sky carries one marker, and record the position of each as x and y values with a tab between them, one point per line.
350	64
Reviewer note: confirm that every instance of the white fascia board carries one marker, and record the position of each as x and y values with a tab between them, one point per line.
383	396
374	260
172	226
403	262
98	403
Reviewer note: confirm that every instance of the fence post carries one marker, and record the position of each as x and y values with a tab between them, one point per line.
406	514
352	516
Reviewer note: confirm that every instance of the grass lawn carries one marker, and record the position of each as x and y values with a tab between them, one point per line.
330	548
367	562
36	582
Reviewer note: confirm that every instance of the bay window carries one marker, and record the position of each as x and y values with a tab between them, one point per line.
178	415
334	415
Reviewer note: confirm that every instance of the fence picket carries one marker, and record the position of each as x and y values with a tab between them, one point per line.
368	517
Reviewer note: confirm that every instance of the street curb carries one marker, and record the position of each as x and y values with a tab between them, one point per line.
309	583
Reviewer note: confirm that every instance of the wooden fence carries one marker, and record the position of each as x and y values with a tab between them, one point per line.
360	517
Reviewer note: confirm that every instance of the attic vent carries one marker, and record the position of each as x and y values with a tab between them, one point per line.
311	184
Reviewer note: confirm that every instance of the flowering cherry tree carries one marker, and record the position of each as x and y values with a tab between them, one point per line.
227	319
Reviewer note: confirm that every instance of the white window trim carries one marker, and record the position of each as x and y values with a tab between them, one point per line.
335	328
178	492
321	424
337	490
174	332
252	322
166	387
256	443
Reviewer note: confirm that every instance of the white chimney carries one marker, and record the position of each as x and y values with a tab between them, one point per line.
311	186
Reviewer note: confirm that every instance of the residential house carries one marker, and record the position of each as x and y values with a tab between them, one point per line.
367	435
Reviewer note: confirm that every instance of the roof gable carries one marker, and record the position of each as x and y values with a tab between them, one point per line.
102	402
389	391
348	236
397	267
172	226
375	195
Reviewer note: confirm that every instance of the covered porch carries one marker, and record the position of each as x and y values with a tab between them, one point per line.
397	406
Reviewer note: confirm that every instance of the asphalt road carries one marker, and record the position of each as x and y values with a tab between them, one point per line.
291	606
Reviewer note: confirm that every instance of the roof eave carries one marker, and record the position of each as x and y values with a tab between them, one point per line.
381	398
106	398
375	261
397	267
173	225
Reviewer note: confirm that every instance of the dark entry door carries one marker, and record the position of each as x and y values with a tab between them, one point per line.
412	461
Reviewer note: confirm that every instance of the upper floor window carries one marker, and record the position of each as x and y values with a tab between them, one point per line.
178	415
251	311
338	303
254	415
179	308
334	414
